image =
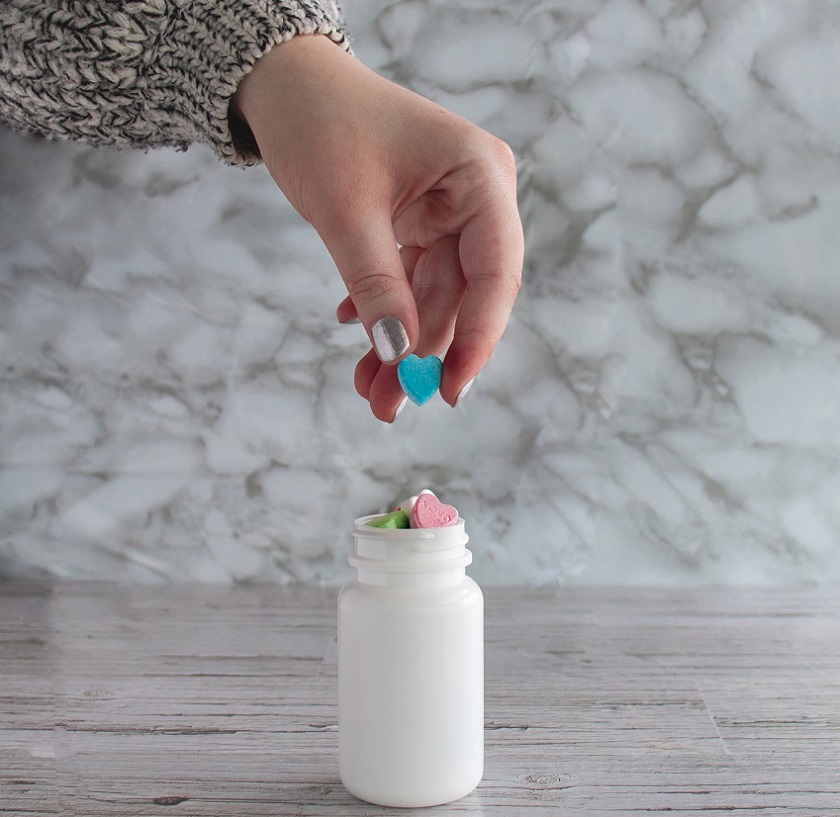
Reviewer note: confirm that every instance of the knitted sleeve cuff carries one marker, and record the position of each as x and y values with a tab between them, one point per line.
145	73
212	45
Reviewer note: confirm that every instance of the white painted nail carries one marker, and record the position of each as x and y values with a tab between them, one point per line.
464	392
400	407
390	339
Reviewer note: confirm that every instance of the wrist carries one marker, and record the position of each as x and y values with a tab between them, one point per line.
285	76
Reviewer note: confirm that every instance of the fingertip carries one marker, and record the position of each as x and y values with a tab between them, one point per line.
387	399
380	386
461	367
400	408
346	312
463	393
366	371
388	413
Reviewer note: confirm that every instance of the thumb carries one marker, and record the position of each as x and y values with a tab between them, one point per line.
369	262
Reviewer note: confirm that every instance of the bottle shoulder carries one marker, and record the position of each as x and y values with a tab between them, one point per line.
465	593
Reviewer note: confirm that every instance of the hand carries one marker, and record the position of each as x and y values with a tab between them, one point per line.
372	166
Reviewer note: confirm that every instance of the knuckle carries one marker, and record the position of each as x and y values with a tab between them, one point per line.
371	287
504	155
507	285
497	156
479	343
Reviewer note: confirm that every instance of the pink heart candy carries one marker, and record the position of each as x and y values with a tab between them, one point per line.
430	512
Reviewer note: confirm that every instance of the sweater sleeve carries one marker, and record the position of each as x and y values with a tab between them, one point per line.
144	74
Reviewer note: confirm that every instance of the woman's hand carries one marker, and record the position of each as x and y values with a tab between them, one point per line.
372	166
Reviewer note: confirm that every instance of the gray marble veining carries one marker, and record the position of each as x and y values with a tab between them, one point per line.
177	403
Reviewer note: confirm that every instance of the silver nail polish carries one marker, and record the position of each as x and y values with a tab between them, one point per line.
350	322
400	407
464	391
389	338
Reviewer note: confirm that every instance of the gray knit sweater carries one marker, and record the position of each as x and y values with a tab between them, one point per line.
144	74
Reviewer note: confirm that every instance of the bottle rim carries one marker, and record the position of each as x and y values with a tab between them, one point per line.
409	550
361	528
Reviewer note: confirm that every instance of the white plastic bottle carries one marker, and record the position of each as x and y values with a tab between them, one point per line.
410	668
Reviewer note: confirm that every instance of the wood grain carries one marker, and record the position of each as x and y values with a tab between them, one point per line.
206	701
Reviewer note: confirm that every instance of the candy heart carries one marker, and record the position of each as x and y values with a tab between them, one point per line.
420	377
396	519
430	512
407	504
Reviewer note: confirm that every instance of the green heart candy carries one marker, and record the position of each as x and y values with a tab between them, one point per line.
395	519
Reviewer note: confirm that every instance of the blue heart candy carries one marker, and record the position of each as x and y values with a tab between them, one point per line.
420	377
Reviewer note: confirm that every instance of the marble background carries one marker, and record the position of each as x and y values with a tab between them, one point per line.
177	400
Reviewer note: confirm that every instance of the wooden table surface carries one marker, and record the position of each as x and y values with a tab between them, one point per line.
206	701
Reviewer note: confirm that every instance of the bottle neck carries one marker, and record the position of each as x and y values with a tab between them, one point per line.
424	557
448	578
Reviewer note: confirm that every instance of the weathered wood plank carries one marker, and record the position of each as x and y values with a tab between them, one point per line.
201	701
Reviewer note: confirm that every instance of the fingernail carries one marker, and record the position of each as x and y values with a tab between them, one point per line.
400	407
464	392
350	321
390	339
